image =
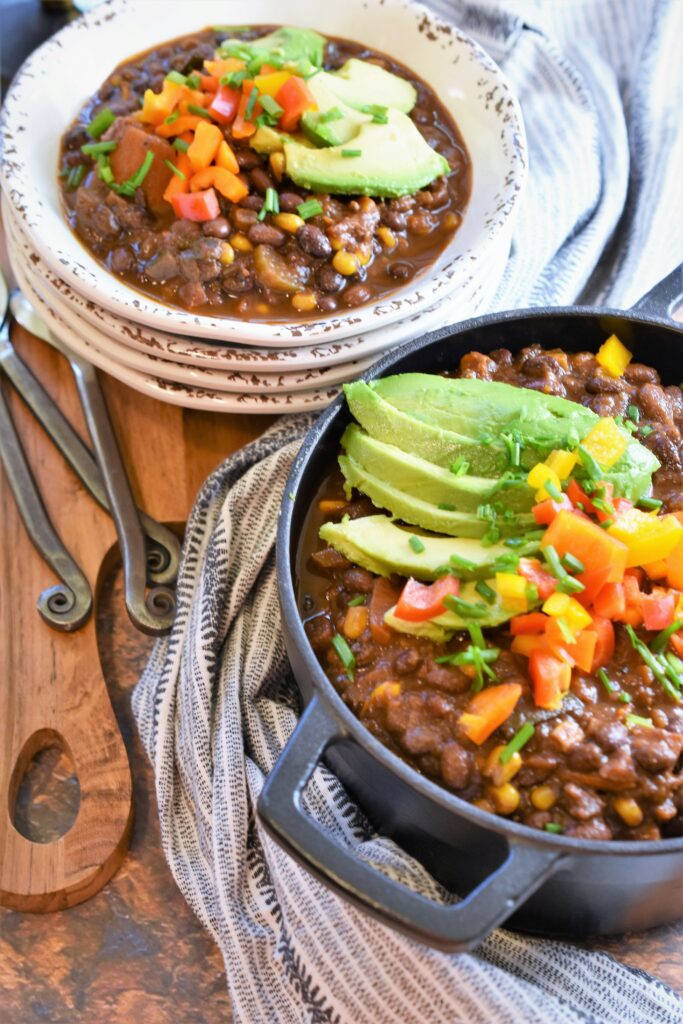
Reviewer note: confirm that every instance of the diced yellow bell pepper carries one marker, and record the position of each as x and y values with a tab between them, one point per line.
538	476
605	442
512	589
674	566
561	462
656	570
613	356
269	85
648	538
158	106
568	608
218	68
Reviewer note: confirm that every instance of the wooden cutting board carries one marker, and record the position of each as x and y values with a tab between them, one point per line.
51	685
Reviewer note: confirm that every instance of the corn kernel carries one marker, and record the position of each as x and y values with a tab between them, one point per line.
364	255
241	243
512	589
501	773
543	797
561	462
328	505
505	798
539	476
387	237
263	308
304	301
483	804
227	254
381	693
452	221
336	243
345	263
277	164
355	622
613	356
288	222
605	442
628	810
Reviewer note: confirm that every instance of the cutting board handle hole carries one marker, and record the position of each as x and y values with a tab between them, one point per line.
44	792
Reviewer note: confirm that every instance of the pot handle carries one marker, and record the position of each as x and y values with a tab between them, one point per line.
452	927
661	300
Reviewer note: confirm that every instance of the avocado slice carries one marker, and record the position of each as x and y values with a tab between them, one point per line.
386	160
413	510
287	44
333	123
381	546
359	83
433	484
413	435
442	628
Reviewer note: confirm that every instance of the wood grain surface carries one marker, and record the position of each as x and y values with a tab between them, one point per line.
134	952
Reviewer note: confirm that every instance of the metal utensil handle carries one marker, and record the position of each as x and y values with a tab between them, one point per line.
453	927
67	605
165	567
154	614
662	300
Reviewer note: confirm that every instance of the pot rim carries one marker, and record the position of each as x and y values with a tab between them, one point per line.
352	726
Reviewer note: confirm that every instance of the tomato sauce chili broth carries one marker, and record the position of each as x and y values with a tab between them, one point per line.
179	261
583	762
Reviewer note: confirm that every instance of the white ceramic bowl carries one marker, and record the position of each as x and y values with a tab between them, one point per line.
46	95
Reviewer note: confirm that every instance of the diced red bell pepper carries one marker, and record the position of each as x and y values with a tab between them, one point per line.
658	609
593	581
241	128
551	677
295	98
419	601
225	104
525	625
198	206
383	597
676	642
604	648
533	572
488	709
610	602
580	653
545	511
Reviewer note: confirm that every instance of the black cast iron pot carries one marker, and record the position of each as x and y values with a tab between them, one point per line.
542	883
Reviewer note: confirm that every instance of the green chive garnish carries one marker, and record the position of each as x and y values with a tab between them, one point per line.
181	145
345	654
459	467
251	103
474	629
661	640
633	721
625	697
553	559
100	123
553	827
272	107
271	203
178	173
172	117
514	542
351	152
176	78
234	79
75	177
606	681
568	585
646	430
552	490
572	563
194	81
464	608
416	544
95	148
193	108
463	564
633	413
311	208
652	661
380	115
520	739
649	504
446	506
485	591
356	601
334	114
137	179
589	464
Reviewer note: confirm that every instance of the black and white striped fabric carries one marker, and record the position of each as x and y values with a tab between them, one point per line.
601	86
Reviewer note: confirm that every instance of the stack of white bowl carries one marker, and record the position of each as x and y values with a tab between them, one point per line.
226	364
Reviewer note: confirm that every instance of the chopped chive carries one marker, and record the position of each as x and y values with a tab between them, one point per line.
649	504
485	591
104	170
553	559
416	544
271	106
553	827
491	536
234	79
351	152
137	179
568	585
531	592
334	114
552	490
181	145
589	464
176	78
194	81
662	639
380	115
625	697
95	148
311	208
514	542
193	108
459	467
462	563
476	635
75	177
567	634
356	601
646	430
633	413
271	203
520	739
606	681
605	525
345	654
172	117
178	173
100	123
251	103
446	506
464	608
633	721
653	663
572	563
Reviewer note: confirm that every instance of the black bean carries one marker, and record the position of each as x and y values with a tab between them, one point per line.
252	202
327	303
394	219
328	280
121	260
163	267
313	241
289	201
238	279
261	180
356	295
266	234
400	271
602	385
243	219
192	294
655	403
247	159
636	373
216	228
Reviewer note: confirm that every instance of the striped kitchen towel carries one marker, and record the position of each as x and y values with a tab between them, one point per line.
600	85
